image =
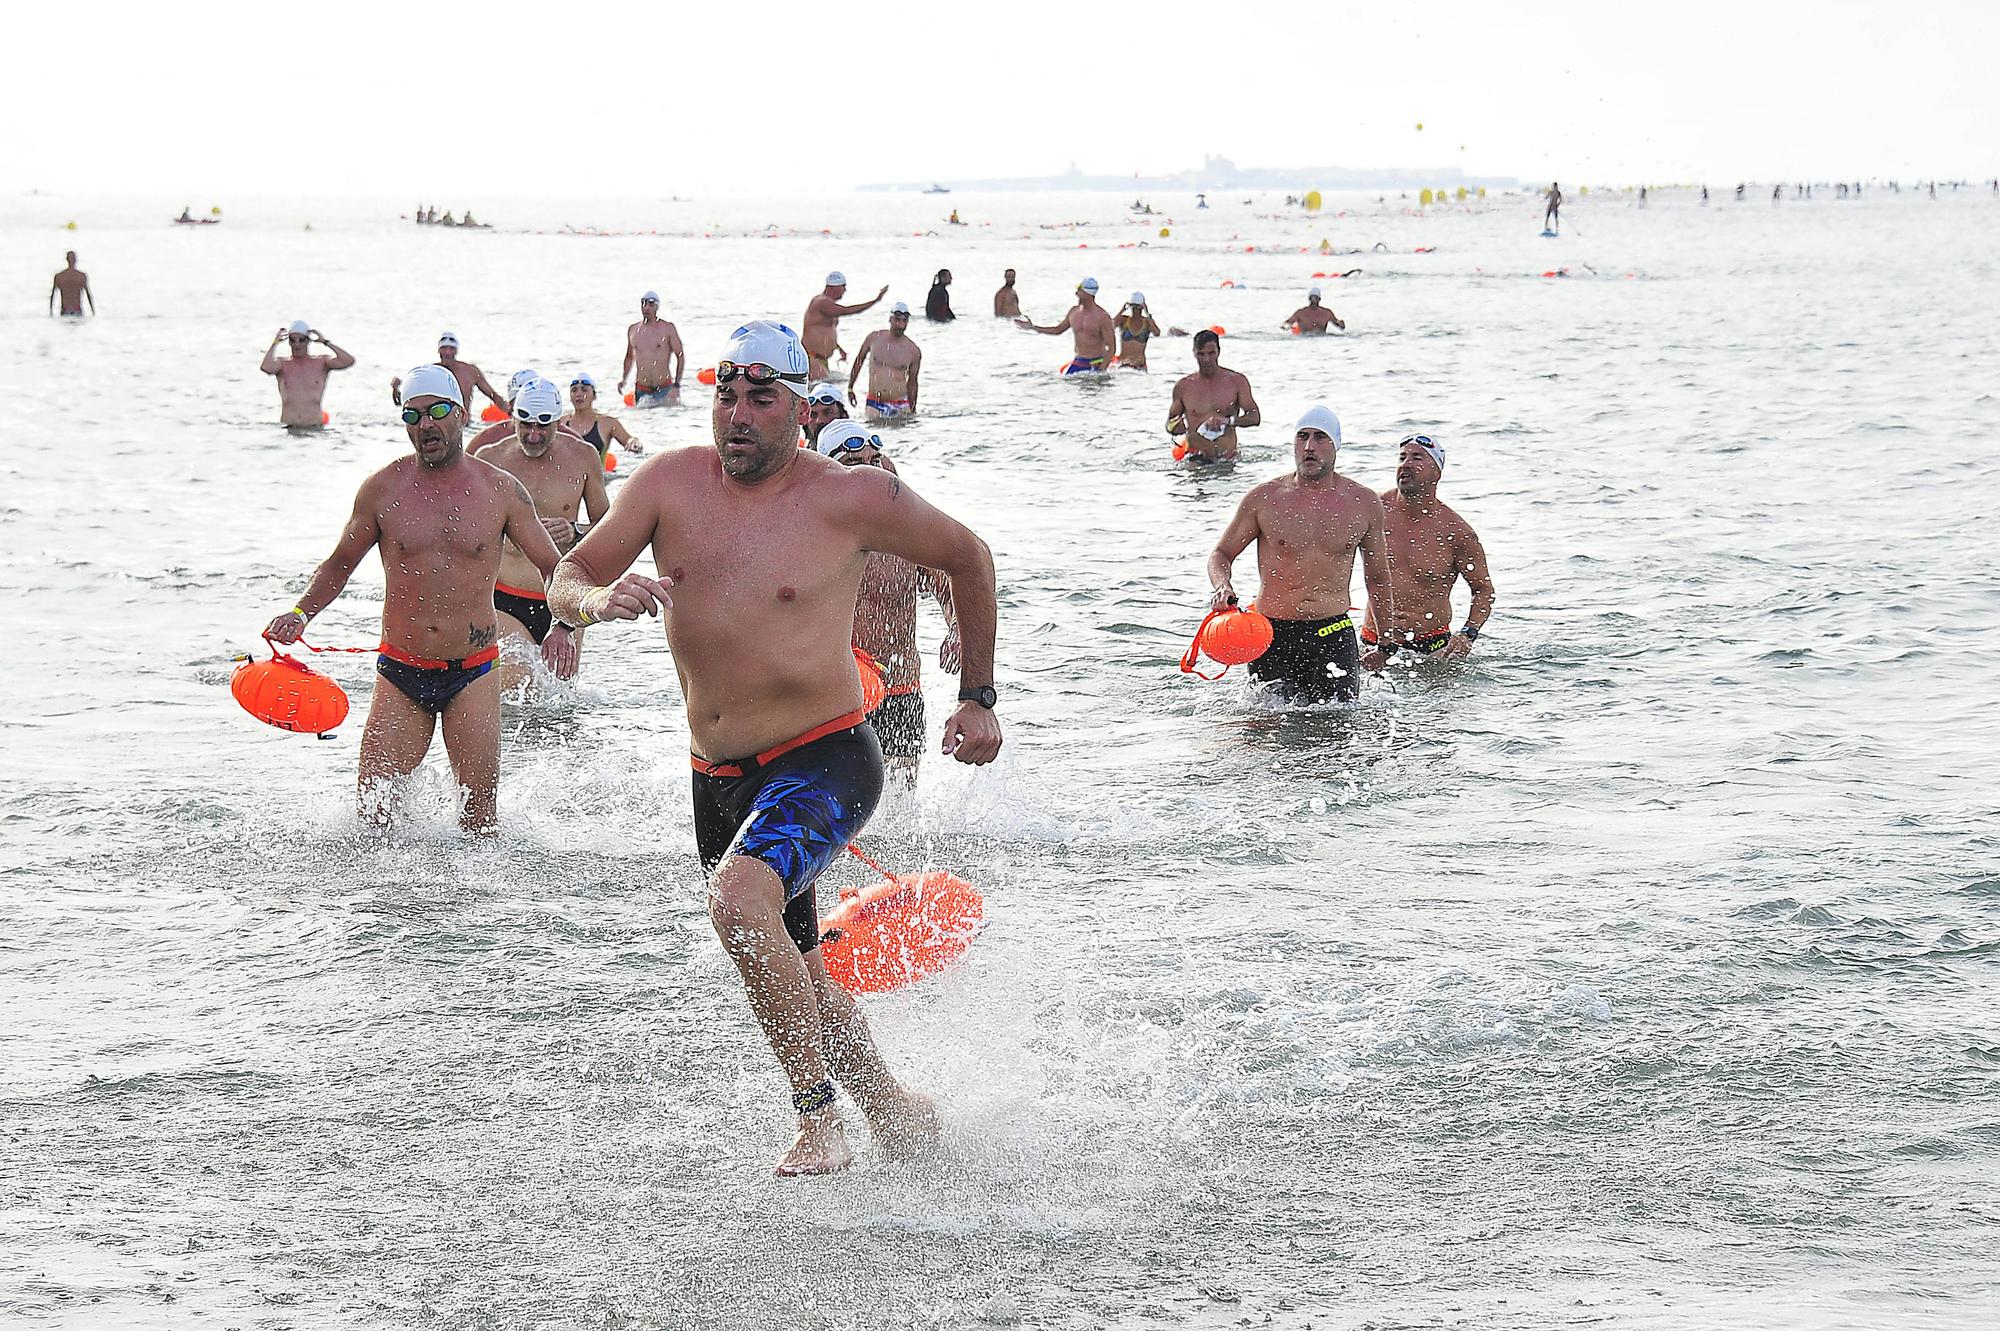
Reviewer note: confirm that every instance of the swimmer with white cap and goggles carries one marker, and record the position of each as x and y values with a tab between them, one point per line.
654	357
470	378
824	406
441	520
821	330
302	376
1307	526
1313	317
1431	548
761	546
898	360
1090	326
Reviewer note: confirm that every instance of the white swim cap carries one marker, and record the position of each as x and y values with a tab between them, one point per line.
843	435
538	402
1088	284
521	379
1138	298
432	381
823	392
448	340
836	278
1429	445
1320	417
899	307
300	328
1312	291
764	342
650	298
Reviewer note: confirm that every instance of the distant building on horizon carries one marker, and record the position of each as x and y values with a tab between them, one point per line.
1219	173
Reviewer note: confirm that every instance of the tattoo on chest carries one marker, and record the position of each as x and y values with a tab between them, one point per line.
482	637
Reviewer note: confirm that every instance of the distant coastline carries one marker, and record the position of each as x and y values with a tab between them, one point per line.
1219	173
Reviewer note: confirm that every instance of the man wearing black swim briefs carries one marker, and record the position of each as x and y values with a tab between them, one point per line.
763	544
1307	527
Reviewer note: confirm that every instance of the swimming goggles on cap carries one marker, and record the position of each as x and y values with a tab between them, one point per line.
536	418
437	411
1420	440
759	374
873	441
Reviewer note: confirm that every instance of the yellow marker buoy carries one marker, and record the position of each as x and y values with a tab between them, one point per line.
1420	127
1424	199
1164	233
215	212
1482	191
69	226
1312	200
1583	189
1459	194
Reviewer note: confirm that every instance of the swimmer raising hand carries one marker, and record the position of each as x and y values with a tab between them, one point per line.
633	595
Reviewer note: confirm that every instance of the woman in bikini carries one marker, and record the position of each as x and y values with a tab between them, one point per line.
1135	329
595	428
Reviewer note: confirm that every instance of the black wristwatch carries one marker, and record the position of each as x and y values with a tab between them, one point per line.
1471	632
983	695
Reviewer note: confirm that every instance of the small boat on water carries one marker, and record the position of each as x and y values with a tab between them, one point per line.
937	189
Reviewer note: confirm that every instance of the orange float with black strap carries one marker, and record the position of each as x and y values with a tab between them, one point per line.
631	400
874	680
287	693
1230	637
895	932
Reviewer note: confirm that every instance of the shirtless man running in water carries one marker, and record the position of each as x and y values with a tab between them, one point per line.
763	545
470	377
653	353
1306	527
821	333
73	285
302	375
439	518
1430	549
1313	317
1092	327
892	386
561	473
1210	405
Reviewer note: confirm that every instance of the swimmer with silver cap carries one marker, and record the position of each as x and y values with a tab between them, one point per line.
302	376
1435	549
820	333
892	379
1308	526
655	360
1211	405
1135	329
761	547
1313	317
1091	328
439	635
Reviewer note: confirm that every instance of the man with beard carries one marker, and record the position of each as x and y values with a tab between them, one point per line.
1007	301
892	388
1430	549
560	472
1307	527
823	408
439	518
763	545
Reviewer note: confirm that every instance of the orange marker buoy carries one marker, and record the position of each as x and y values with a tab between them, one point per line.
1229	636
1180	451
611	462
874	681
286	693
1226	282
889	934
325	419
493	412
1217	329
706	375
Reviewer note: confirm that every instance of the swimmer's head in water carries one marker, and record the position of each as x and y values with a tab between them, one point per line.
1420	463
1312	296
537	408
823	406
582	389
760	389
448	347
436	438
849	443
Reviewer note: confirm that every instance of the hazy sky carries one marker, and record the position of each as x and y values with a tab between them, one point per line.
602	97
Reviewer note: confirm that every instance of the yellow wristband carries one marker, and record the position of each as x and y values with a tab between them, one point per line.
302	614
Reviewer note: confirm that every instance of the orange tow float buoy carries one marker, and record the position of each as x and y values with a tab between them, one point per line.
705	375
892	933
493	412
286	693
1229	636
325	419
1217	329
631	399
611	462
874	680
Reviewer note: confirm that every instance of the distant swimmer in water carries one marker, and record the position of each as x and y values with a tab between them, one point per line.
824	312
1212	404
654	354
439	518
762	545
1091	328
302	375
1430	549
591	425
1006	301
892	382
885	618
1552	215
1135	329
73	285
468	375
824	406
562	473
937	305
1307	527
1313	317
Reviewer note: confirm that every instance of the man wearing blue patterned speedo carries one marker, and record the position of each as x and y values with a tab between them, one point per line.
763	544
